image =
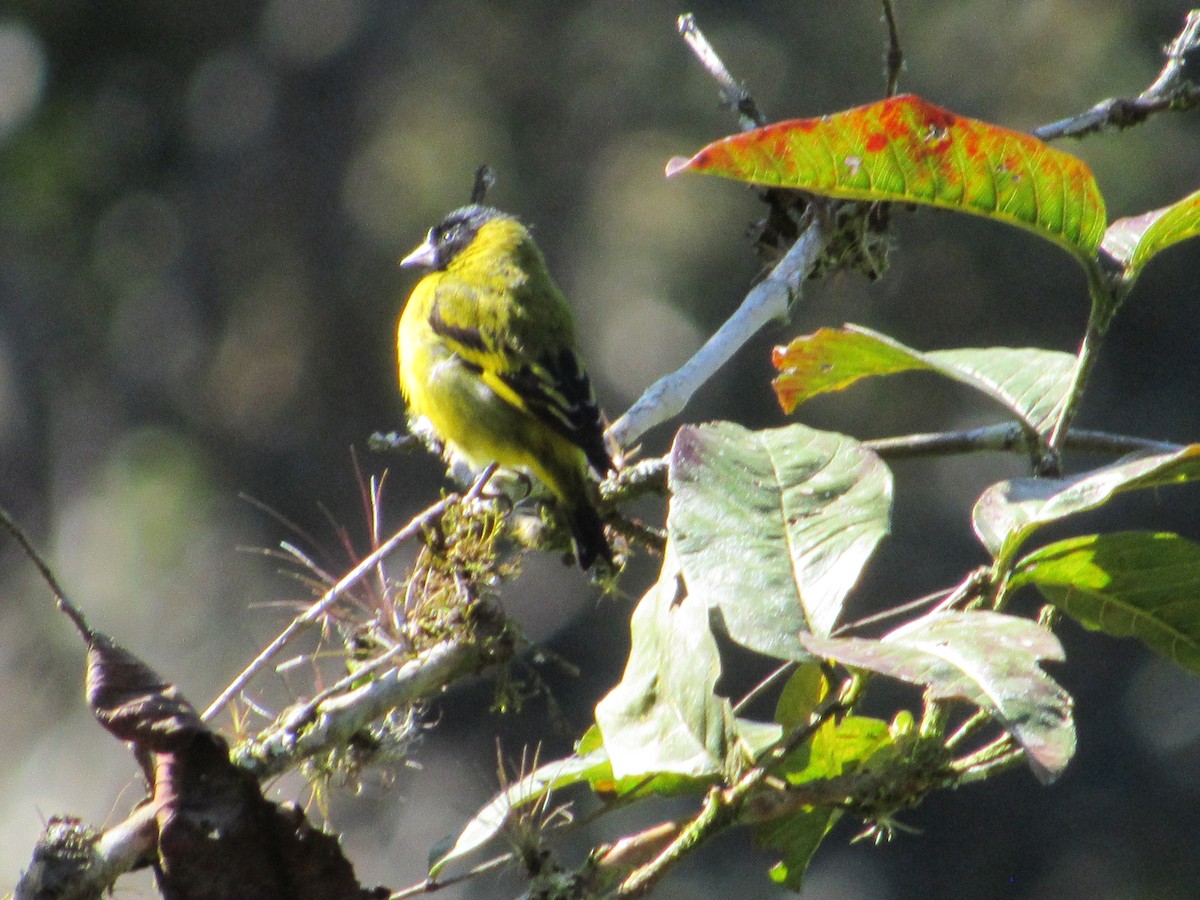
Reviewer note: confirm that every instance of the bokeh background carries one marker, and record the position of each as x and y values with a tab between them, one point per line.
201	208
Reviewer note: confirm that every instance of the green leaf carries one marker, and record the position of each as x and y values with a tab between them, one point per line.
773	527
1031	383
796	838
803	691
1133	241
1007	513
836	748
907	150
664	716
1129	584
987	658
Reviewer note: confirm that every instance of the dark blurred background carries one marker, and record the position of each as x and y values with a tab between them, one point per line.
201	208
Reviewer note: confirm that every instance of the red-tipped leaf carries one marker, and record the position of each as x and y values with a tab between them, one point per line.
907	150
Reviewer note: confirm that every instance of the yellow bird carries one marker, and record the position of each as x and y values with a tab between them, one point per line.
487	359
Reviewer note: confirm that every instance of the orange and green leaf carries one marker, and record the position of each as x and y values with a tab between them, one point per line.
1032	383
907	150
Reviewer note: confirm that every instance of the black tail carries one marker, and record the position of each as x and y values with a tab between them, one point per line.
587	530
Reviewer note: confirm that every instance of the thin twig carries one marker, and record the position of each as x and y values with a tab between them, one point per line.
768	301
762	687
1093	337
1002	753
1083	440
893	612
327	600
331	596
893	60
1176	52
69	609
733	93
1009	437
968	728
429	886
1170	90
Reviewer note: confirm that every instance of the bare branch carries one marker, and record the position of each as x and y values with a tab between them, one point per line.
1176	52
1170	90
314	728
429	886
1010	436
733	93
69	609
769	300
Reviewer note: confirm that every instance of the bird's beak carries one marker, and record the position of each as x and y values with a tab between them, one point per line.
424	256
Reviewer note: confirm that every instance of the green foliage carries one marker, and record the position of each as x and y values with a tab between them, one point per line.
986	658
836	747
797	838
769	531
664	716
1129	584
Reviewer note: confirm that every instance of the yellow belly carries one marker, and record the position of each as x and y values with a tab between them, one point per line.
477	423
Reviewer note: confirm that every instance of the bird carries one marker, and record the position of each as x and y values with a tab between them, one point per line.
488	362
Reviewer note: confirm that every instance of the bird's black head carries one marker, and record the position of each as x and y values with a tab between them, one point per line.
451	236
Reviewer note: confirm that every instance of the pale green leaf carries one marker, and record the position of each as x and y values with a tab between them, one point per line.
664	716
1135	240
986	658
1009	512
774	527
